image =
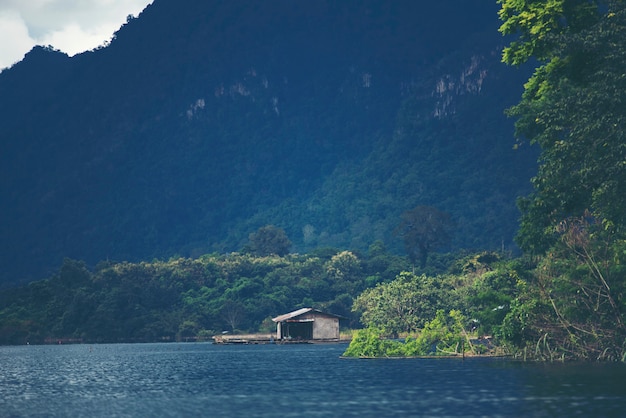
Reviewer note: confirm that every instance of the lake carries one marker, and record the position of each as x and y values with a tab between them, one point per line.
304	380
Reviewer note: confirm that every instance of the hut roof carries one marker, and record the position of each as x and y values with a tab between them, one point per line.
302	311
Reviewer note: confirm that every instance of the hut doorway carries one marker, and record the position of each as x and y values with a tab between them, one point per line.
300	330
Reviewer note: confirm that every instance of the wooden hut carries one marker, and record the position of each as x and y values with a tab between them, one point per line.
307	324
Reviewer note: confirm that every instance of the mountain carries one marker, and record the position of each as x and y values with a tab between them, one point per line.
202	121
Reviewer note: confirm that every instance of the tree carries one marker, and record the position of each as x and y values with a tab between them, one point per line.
574	108
424	229
269	240
344	269
539	23
403	305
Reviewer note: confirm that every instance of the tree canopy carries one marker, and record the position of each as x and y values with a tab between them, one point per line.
403	305
574	108
424	229
539	23
270	240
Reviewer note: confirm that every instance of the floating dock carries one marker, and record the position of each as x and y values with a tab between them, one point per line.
263	339
244	339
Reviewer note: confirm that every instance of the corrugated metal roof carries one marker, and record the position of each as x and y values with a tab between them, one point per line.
302	311
293	314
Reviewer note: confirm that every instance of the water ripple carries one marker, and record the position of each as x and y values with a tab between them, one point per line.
176	380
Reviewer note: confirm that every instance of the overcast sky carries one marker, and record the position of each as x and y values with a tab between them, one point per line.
73	26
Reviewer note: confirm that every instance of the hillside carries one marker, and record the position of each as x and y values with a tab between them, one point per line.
203	121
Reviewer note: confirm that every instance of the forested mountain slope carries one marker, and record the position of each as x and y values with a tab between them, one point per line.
202	121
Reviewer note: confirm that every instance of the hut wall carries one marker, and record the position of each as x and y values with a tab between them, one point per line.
325	328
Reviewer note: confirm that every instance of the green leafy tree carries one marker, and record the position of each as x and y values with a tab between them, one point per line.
538	23
574	108
423	230
443	335
269	240
344	269
402	305
484	285
370	342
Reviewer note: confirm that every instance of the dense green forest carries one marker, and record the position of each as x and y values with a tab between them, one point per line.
182	299
435	175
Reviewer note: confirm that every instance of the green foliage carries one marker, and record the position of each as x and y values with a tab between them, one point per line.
485	294
517	326
538	23
402	305
344	270
573	307
481	285
569	306
269	240
180	299
423	230
487	290
443	335
572	107
369	342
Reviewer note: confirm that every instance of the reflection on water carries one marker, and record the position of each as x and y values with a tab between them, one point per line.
304	380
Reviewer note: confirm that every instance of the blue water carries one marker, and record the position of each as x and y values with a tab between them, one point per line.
179	380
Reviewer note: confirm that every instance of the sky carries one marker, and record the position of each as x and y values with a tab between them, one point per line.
72	26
